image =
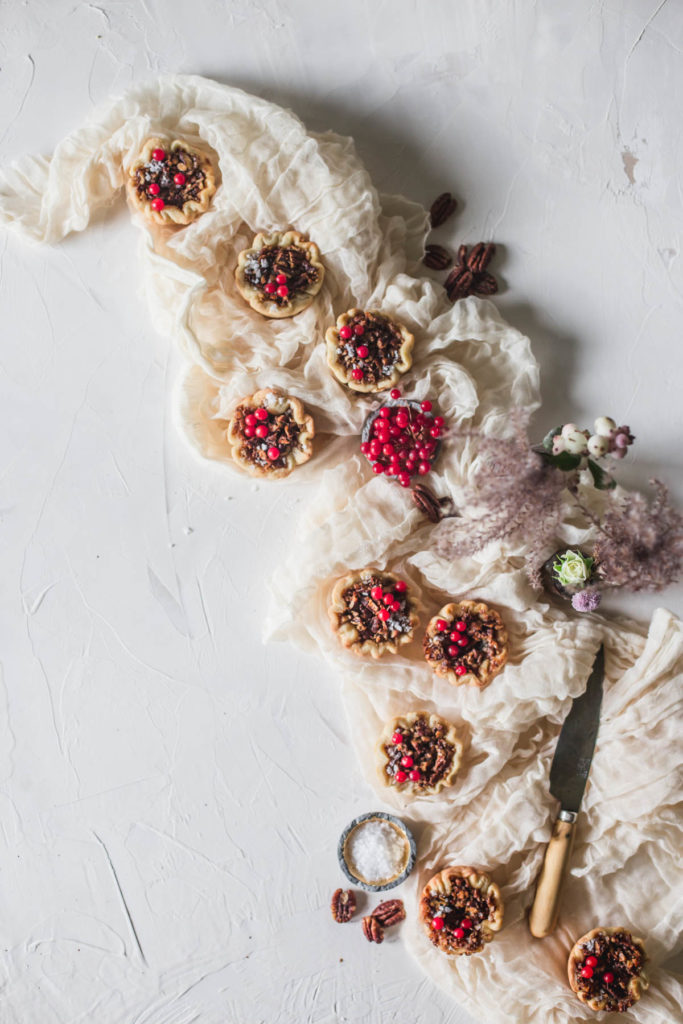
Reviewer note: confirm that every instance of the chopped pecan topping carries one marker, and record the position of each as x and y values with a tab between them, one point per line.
481	643
429	753
281	433
343	905
389	912
161	175
363	611
373	930
263	268
441	209
436	257
377	337
469	275
619	959
463	910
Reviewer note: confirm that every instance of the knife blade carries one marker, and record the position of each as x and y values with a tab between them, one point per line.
568	775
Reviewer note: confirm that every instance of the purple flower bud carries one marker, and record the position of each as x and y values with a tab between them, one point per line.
586	600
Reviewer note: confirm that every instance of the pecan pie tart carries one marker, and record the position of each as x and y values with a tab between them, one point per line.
606	969
171	183
280	274
419	753
270	433
367	351
373	612
461	909
466	643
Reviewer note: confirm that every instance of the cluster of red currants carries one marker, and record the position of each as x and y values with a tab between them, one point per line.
403	441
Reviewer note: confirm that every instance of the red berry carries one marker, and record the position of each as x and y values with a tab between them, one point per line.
400	776
397	737
437	923
261	430
375	448
158	154
179	178
454	636
459	933
424	453
461	626
345	333
378	468
384	614
273	453
426	405
460	670
424	468
248	431
407	761
438	421
441	625
270	288
419	420
463	641
387	449
362	351
358	330
157	204
586	972
154	189
357	374
385	412
388	598
365	447
400	586
591	961
261	414
435	431
281	278
404	479
250	419
394	431
466	923
392	470
396	606
376	593
283	290
453	651
395	393
414	775
608	977
402	420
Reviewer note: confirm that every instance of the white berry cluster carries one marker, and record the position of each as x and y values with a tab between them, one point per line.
608	439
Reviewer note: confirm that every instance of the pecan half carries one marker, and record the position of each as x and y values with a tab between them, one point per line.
441	209
343	905
435	509
373	930
436	257
469	276
389	912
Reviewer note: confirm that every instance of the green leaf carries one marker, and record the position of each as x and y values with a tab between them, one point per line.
564	461
548	439
602	480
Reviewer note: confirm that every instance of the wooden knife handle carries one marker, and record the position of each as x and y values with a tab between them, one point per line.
546	905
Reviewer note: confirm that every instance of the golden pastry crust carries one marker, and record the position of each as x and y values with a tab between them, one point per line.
481	658
389	350
290	429
359	620
198	188
618	953
456	895
433	745
307	283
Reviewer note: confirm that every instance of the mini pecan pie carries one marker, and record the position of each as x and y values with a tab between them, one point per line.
419	752
372	612
367	351
280	274
461	909
467	643
270	434
606	969
171	184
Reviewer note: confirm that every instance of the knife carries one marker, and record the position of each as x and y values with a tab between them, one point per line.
568	774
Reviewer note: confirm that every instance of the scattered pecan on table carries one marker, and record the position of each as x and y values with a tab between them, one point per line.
469	275
389	912
343	905
441	209
435	509
436	257
373	930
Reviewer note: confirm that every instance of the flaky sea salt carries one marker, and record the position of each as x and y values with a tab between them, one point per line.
376	851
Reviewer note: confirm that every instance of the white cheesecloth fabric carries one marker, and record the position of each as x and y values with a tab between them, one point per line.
627	866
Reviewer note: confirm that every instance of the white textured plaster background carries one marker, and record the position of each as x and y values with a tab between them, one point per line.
172	790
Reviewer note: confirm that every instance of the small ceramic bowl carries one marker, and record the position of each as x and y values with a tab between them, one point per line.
345	852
